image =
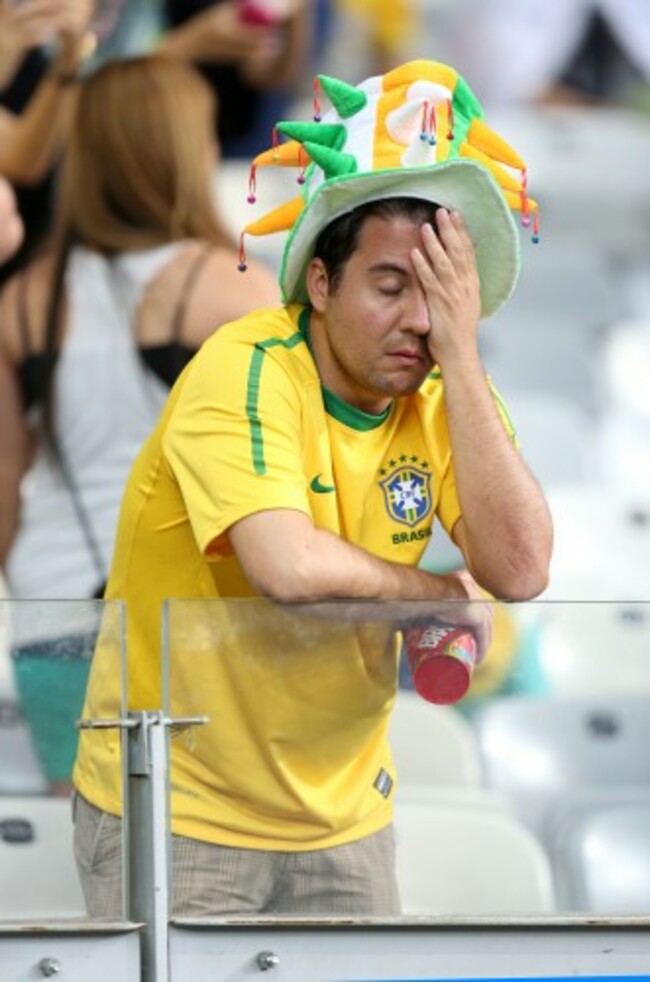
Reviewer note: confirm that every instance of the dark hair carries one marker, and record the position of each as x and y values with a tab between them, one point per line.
338	240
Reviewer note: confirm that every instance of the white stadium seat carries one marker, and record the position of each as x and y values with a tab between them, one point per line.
432	745
599	846
38	874
536	751
463	859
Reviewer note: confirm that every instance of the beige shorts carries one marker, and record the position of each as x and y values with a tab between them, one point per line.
357	879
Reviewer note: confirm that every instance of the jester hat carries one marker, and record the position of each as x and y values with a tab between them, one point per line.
416	132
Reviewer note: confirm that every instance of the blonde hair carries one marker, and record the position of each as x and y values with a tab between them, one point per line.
137	173
138	167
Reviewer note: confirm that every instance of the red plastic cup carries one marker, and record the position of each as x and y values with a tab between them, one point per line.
441	659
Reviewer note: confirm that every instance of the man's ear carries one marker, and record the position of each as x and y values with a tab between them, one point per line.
317	282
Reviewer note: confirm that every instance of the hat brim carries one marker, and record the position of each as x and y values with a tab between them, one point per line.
463	185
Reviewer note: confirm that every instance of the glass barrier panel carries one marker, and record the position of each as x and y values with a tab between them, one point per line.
528	796
50	653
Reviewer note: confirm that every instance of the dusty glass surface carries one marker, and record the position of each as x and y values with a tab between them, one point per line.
528	796
47	652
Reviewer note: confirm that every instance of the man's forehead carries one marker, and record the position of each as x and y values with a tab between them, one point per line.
391	234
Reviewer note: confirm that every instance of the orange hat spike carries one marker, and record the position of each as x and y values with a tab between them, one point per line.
289	154
513	200
483	138
505	179
279	220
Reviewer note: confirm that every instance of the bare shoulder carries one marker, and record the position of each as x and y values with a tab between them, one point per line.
205	284
239	292
222	293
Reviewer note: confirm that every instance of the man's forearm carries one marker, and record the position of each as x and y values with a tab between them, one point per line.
505	516
287	559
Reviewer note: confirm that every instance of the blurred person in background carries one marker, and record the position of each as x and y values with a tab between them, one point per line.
11	226
37	93
377	32
390	28
252	52
93	334
589	52
11	236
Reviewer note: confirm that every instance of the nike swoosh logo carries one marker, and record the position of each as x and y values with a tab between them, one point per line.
319	488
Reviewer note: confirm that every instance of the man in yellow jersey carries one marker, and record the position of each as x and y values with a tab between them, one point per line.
303	456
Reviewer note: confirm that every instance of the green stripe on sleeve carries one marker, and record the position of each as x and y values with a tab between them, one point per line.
253	394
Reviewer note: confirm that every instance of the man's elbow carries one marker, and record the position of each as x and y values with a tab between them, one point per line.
290	582
522	578
526	585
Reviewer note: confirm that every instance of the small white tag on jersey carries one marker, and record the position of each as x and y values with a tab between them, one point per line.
384	783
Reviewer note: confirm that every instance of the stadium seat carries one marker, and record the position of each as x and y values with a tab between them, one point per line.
556	437
449	794
625	357
38	875
623	442
595	650
599	846
432	745
535	751
464	860
602	543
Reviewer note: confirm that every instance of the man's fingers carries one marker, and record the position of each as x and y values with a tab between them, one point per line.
455	239
446	251
483	632
423	268
434	247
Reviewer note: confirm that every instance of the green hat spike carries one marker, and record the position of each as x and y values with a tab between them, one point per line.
324	134
346	99
334	163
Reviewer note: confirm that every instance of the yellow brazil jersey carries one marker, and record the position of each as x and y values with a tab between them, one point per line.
295	756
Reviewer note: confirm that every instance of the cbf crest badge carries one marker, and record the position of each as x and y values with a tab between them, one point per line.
407	493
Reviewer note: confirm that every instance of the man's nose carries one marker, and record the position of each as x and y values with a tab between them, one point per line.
417	319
